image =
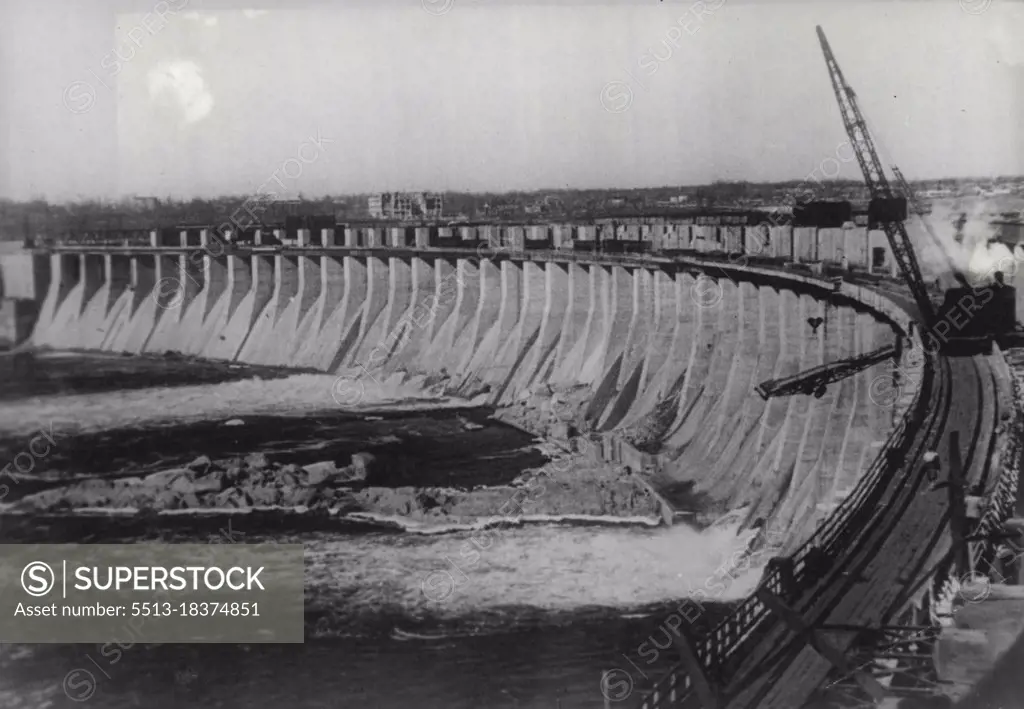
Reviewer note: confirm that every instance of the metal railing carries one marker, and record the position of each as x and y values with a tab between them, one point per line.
1001	504
719	649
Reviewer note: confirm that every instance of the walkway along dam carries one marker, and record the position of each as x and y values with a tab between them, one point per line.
659	352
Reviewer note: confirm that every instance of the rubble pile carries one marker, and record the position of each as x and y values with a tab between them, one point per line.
546	411
563	488
234	483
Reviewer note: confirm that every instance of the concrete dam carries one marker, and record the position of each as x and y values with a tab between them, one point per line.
660	353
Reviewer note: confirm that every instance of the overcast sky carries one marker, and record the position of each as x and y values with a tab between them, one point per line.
193	98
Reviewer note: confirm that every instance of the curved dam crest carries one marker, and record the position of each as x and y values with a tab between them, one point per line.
649	354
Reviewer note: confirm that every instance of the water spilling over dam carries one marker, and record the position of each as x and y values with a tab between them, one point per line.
653	355
659	354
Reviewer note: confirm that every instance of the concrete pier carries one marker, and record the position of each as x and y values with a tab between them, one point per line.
662	351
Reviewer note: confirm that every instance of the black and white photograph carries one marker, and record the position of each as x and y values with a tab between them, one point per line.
511	354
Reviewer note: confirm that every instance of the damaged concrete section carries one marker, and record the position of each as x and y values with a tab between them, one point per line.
638	355
569	485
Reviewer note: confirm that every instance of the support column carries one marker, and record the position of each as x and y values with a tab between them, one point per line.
340	334
599	327
322	324
457	327
215	274
92	276
664	327
286	283
508	316
399	295
414	325
376	299
576	313
119	276
531	311
556	302
309	283
191	274
143	278
488	306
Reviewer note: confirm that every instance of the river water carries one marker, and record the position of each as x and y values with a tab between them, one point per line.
532	620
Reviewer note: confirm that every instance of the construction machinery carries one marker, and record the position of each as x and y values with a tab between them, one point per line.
922	213
887	209
816	380
971	317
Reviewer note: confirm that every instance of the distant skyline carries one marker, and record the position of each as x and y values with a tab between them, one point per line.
130	197
185	98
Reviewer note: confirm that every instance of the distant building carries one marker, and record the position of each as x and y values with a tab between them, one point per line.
680	200
406	205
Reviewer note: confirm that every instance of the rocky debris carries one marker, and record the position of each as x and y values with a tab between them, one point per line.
362	464
200	465
468	425
549	412
561	430
570	485
648	433
437	381
257	461
319	473
189	483
328	472
232	483
606	497
415	503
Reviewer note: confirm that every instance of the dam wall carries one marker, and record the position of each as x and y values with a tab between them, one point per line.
24	281
661	352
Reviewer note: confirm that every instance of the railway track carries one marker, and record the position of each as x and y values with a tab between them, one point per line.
876	563
890	559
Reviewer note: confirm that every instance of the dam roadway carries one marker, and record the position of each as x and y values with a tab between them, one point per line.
890	560
601	325
884	561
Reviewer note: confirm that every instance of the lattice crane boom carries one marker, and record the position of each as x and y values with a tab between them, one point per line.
901	181
878	185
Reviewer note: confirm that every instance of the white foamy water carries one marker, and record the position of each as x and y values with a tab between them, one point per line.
549	568
293	395
554	567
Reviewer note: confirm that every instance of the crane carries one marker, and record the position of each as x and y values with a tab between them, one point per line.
888	210
920	212
882	194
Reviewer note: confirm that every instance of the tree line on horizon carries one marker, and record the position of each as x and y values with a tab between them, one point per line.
21	219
